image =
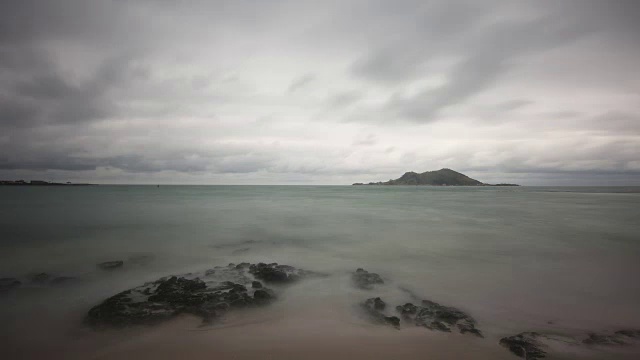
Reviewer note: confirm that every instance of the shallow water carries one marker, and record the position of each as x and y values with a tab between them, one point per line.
517	259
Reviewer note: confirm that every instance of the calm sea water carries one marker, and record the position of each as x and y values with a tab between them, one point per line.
518	259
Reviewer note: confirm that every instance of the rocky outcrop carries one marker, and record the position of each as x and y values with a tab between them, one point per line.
49	279
40	278
434	316
630	333
274	273
525	345
366	280
208	295
618	338
374	308
531	345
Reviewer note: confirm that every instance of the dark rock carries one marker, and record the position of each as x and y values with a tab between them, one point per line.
155	302
40	278
376	303
223	289
434	316
407	309
469	328
48	279
632	333
393	321
7	284
437	325
274	273
262	296
366	280
608	340
374	307
524	345
111	265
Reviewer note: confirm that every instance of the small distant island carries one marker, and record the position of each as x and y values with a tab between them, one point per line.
442	177
37	183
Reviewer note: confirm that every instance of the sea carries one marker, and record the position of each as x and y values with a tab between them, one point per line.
561	260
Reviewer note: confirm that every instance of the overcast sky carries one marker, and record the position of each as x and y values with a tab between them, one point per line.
319	92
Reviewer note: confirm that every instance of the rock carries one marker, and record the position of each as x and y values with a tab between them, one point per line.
207	294
111	265
40	278
434	316
393	321
274	273
263	296
407	309
469	328
7	284
632	333
48	279
366	280
376	303
524	345
374	307
164	299
607	340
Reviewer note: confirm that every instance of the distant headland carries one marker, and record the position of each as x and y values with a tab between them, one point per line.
442	177
37	183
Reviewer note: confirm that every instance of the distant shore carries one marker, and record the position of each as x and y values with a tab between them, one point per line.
37	183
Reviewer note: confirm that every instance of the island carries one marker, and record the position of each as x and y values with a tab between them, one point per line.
442	177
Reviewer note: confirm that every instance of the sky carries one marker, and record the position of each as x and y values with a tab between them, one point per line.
319	92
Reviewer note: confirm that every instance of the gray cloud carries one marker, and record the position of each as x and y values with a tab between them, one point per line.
301	82
133	90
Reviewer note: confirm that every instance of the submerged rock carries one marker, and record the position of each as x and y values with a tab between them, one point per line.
263	296
40	278
407	309
608	340
632	333
524	345
434	316
374	308
49	279
166	298
274	273
7	284
111	265
208	295
366	280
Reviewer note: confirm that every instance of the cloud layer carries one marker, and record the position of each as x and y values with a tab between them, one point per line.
319	92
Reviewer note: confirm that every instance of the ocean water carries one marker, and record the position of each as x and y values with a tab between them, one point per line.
515	258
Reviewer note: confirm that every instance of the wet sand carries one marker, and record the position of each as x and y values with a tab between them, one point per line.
321	333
